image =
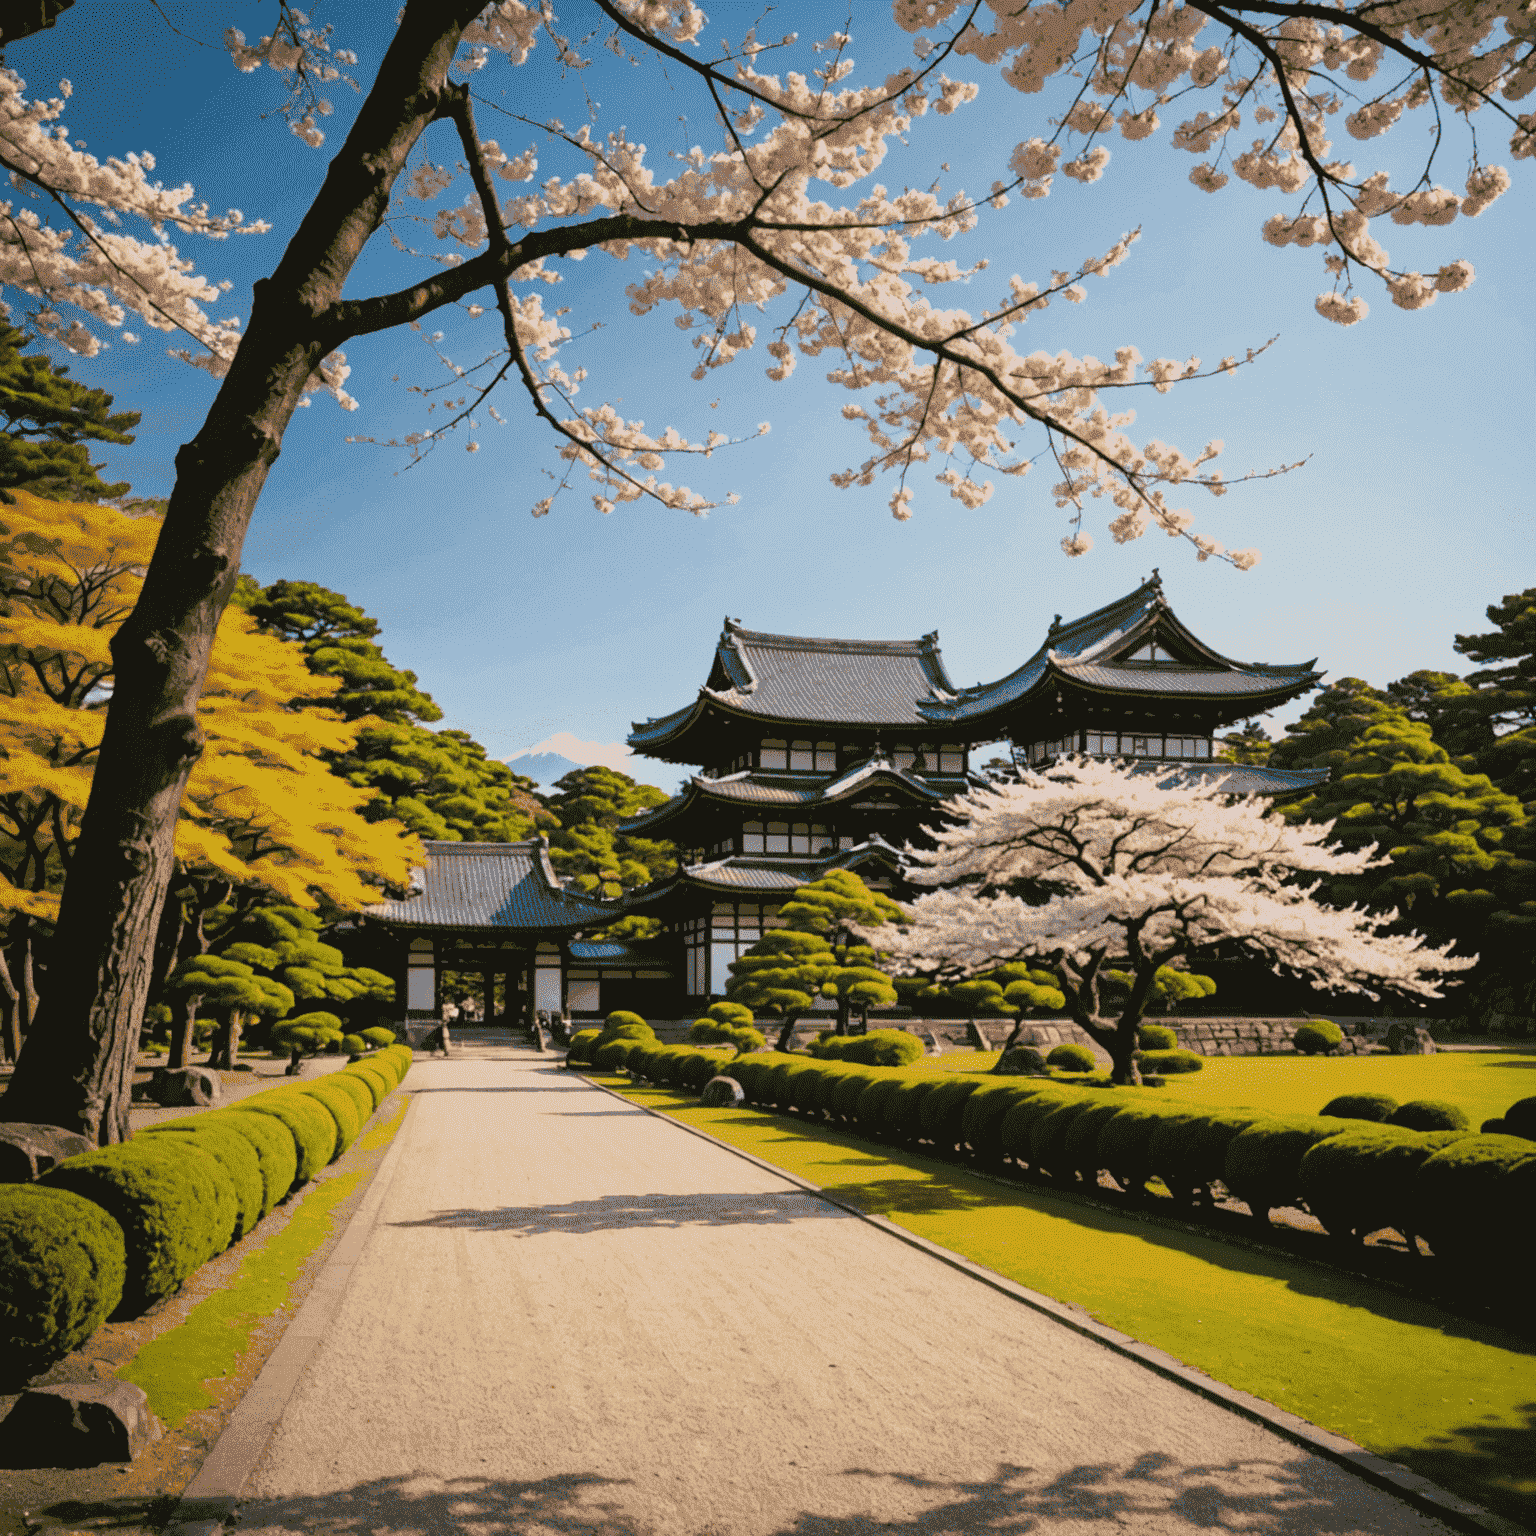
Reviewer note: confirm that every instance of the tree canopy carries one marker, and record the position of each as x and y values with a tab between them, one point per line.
588	849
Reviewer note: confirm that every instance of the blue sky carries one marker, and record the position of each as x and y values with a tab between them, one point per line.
1412	513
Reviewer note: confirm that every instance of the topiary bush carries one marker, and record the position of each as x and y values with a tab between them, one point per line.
1430	1115
1263	1164
580	1048
1157	1037
354	1045
1360	1106
175	1205
1520	1118
1080	1150
869	1109
358	1091
272	1141
1125	1141
378	1036
1466	1203
1021	1061
700	1067
1362	1179
1013	1133
239	1158
1188	1149
752	1073
375	1075
982	1120
850	1084
313	1130
613	1055
879	1048
1169	1063
1048	1137
943	1111
340	1106
1071	1057
63	1261
903	1114
718	1031
1317	1037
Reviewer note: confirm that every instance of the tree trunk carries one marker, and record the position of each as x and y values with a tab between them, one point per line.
10	1011
786	1034
28	1000
1014	1033
183	1017
77	1072
226	1042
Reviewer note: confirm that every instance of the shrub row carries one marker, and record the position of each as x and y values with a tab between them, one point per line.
1469	1195
876	1048
107	1234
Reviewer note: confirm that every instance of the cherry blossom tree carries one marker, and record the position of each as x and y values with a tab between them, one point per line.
783	215
1093	866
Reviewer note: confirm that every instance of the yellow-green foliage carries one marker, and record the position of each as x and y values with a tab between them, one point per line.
357	1090
229	1147
338	1104
63	1261
273	1142
313	1129
373	1078
176	1206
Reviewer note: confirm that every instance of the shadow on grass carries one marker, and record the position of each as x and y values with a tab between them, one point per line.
1495	1464
1297	1496
611	1212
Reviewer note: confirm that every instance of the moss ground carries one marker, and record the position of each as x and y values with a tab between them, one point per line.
1452	1399
180	1369
1484	1084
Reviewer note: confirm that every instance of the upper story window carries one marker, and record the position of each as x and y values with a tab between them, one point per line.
949	761
774	753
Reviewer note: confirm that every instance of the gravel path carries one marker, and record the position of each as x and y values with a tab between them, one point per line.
572	1316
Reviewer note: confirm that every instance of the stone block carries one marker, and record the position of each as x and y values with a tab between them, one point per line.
1410	1040
78	1425
722	1092
172	1087
27	1151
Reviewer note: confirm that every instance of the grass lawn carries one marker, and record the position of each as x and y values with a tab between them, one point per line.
1452	1399
1484	1084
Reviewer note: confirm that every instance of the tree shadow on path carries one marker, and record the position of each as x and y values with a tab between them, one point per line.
610	1212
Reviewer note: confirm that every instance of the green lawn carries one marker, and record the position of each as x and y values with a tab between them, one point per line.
1483	1084
1452	1399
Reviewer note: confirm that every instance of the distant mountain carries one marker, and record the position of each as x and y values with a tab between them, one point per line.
544	768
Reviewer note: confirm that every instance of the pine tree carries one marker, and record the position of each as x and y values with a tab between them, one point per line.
589	849
46	419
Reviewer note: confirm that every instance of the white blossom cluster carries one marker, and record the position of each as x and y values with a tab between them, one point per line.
1293	70
1140	868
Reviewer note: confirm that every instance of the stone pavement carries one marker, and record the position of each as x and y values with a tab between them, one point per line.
562	1314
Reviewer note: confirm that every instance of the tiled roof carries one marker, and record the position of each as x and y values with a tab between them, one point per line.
509	886
754	872
1084	651
1240	778
814	681
755	788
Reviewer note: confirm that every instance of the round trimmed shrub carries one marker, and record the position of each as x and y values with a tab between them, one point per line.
354	1045
176	1206
63	1261
374	1076
1188	1149
879	1048
580	1048
851	1082
276	1155
239	1158
1021	1061
313	1130
869	1109
356	1090
1520	1118
943	1111
721	1031
1360	1106
1263	1164
1495	1127
1317	1037
1080	1149
1157	1037
379	1036
1013	1133
700	1067
1071	1057
1461	1199
752	1073
630	1024
1168	1063
1430	1115
903	1117
1362	1180
1125	1141
1048	1136
339	1105
613	1055
982	1120
809	1089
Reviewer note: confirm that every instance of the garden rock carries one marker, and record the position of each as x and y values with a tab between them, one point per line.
78	1425
1410	1040
1021	1061
27	1151
172	1087
722	1092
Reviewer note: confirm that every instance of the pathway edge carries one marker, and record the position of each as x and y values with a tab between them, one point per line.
1413	1489
209	1501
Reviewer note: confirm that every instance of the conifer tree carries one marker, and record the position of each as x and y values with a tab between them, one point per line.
589	848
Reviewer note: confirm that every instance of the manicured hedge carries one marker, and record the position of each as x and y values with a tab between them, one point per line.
1263	1163
721	1032
1166	1063
376	1076
339	1105
1430	1115
353	1045
276	1154
982	1119
313	1130
1362	1180
240	1159
1473	1200
580	1048
357	1090
63	1260
1188	1149
1071	1057
943	1111
1317	1037
379	1036
1520	1118
1157	1037
878	1048
176	1206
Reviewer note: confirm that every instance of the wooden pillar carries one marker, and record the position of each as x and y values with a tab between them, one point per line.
488	989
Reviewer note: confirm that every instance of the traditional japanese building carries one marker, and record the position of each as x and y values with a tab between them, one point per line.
817	754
